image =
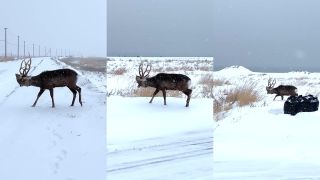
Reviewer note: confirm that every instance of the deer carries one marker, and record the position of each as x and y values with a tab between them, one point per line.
163	82
48	80
282	90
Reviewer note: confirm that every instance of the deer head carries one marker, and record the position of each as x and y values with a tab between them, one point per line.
270	87
23	79
142	78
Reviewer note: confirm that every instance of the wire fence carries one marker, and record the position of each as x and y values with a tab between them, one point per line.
14	46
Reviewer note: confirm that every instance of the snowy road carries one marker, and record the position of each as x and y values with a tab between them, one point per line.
184	156
50	143
153	141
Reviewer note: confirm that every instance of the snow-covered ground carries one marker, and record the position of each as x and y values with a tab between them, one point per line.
153	141
51	143
260	142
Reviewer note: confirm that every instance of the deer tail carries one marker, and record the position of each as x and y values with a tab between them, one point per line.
189	83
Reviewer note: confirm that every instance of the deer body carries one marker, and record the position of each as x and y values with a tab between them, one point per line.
282	90
163	82
49	80
55	78
169	81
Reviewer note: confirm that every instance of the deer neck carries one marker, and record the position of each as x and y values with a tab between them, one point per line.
150	82
35	81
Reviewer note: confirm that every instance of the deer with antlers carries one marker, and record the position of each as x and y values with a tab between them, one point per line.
49	80
282	90
163	82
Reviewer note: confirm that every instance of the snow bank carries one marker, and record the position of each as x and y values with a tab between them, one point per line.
233	71
131	119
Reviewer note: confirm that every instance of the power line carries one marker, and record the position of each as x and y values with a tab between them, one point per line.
5	42
11	45
18	48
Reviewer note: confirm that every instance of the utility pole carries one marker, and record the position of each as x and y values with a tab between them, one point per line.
5	42
24	49
18	48
45	51
39	50
50	52
32	50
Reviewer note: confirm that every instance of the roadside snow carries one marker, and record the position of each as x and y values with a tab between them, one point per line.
131	119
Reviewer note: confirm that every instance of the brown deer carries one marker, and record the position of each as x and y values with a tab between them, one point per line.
282	90
163	82
49	80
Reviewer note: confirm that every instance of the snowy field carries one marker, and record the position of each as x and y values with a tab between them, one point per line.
51	143
153	141
259	141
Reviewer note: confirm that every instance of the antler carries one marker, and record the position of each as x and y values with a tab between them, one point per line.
146	70
25	67
271	82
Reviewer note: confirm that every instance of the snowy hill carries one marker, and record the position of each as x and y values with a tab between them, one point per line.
234	71
260	142
50	143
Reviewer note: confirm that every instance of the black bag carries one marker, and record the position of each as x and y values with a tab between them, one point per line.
296	104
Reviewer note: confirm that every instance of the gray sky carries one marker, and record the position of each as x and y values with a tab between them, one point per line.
276	34
58	24
160	28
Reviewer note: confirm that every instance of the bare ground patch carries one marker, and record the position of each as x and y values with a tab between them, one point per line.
95	64
5	59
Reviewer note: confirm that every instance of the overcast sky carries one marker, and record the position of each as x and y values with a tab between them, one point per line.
58	24
160	27
267	33
258	34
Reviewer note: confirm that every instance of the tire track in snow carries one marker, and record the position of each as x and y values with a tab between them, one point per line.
162	159
166	146
160	152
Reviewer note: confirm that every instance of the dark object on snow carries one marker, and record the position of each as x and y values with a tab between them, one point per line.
163	82
296	104
49	80
282	90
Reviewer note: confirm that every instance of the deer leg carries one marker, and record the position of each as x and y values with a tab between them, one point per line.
74	92
188	93
164	96
51	94
79	91
39	94
155	93
275	97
